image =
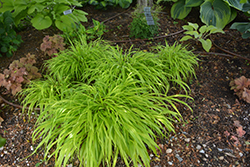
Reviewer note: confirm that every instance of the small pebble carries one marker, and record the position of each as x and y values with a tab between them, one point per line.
170	163
219	149
221	158
241	154
198	147
169	150
178	157
187	140
202	151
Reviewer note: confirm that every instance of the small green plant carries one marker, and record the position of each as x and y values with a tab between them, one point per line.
91	33
2	141
139	27
241	87
9	40
98	101
103	4
97	31
19	72
201	35
52	45
45	13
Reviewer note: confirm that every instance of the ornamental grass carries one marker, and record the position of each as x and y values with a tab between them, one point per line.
99	102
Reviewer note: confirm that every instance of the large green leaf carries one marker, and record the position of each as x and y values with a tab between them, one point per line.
193	3
125	3
179	10
215	12
37	6
80	15
41	22
64	22
20	6
7	5
235	3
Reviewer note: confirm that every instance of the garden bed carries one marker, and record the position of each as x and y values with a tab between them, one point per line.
207	137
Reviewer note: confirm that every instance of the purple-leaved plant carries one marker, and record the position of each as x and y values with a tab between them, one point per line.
20	72
52	45
241	87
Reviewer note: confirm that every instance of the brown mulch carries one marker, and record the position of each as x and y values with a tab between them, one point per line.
207	137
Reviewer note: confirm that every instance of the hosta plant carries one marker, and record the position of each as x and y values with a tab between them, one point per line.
241	87
212	12
52	45
45	13
99	102
20	72
201	34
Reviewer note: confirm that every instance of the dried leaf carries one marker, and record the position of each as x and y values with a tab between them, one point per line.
226	133
240	131
237	124
2	80
1	120
242	82
246	95
235	139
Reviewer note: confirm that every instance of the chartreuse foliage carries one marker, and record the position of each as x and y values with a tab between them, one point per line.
98	101
44	13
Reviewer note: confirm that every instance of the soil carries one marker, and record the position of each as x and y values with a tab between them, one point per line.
209	136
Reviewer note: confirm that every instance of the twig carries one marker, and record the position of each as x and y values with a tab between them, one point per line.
231	53
213	53
16	105
136	40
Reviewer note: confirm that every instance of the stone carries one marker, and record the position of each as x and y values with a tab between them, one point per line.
187	140
202	151
198	147
169	150
221	158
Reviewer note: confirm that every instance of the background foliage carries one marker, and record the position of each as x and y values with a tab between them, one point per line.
102	4
9	40
212	12
44	13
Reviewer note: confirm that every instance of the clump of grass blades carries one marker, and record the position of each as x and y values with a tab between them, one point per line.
108	104
178	62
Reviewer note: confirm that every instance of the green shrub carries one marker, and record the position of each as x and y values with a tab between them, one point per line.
9	40
139	27
102	4
91	33
98	101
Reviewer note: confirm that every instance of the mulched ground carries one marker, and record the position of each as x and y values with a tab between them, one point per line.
207	137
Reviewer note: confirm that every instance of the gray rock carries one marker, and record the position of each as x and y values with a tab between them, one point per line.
202	151
178	157
198	147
